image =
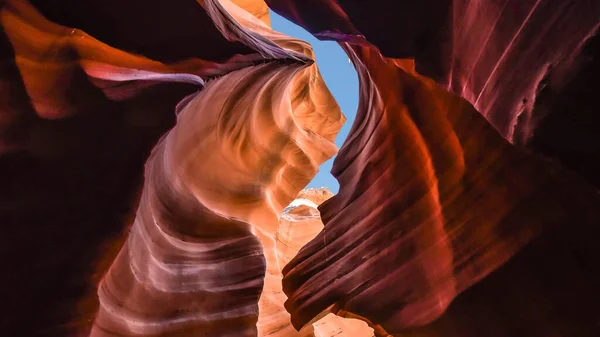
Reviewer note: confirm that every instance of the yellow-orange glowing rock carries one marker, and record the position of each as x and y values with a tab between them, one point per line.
258	8
299	223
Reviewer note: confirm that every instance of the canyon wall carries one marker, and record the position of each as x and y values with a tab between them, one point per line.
468	200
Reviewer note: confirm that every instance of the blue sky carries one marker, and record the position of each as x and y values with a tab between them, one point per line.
341	79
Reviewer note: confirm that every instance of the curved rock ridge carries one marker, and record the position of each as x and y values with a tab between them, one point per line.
81	115
525	65
495	54
193	262
85	93
299	223
442	226
318	111
47	54
257	8
270	126
432	200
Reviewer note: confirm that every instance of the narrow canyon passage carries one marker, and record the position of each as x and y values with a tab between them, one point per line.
341	80
289	168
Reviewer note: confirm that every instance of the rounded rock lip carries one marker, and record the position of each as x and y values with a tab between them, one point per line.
309	197
317	195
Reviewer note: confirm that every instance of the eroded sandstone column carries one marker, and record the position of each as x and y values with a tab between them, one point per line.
299	223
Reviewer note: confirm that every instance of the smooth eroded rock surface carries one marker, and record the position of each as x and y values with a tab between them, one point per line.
468	201
299	223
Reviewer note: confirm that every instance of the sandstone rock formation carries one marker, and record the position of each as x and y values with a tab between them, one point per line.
468	201
427	220
257	8
418	158
525	65
269	154
97	110
177	276
299	223
86	92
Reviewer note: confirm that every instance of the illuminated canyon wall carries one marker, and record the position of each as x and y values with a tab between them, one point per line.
151	153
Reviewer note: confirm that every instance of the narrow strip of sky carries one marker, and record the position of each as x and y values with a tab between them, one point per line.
341	79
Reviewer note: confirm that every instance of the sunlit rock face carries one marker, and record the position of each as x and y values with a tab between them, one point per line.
432	200
299	223
86	91
449	222
271	126
438	214
84	103
257	8
526	65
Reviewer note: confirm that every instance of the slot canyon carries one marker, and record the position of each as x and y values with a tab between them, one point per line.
154	158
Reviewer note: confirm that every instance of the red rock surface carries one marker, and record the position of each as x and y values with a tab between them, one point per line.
73	143
450	220
268	127
526	65
193	263
432	200
299	223
79	116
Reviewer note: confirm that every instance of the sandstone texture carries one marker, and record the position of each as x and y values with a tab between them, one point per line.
153	157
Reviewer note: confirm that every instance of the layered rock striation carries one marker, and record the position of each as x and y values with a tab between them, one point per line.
299	223
468	200
525	65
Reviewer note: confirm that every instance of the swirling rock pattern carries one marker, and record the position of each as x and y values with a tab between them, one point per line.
526	65
445	224
114	108
82	103
463	202
257	8
193	262
412	174
269	156
299	223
